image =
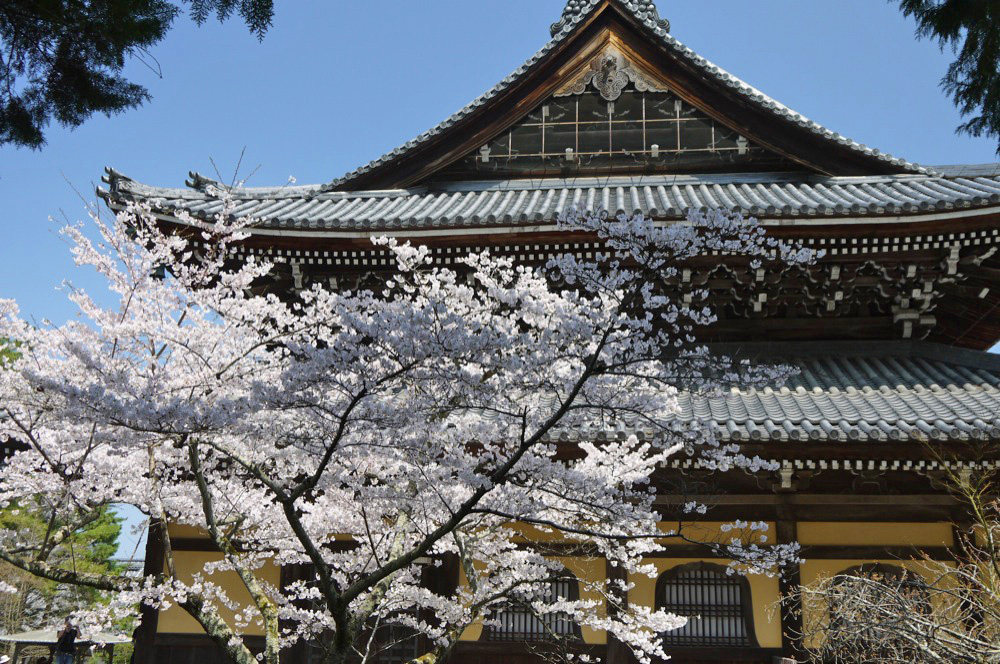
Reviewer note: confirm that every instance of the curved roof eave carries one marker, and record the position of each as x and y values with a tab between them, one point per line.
463	206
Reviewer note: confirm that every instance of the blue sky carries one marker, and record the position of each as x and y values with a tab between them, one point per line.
335	84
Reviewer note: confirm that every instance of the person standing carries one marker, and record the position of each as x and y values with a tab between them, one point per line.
66	645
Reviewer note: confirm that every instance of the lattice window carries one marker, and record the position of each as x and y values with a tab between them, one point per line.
882	585
398	644
638	132
518	622
717	604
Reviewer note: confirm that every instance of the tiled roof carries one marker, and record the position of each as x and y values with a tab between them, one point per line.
483	204
968	170
882	392
640	9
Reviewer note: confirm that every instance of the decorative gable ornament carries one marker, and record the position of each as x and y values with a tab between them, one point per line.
610	73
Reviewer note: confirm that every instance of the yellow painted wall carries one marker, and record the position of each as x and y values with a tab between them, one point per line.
699	531
763	590
176	620
883	534
814	571
711	532
588	569
176	530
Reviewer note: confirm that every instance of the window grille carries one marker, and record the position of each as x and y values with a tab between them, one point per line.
716	603
517	621
893	586
399	645
639	132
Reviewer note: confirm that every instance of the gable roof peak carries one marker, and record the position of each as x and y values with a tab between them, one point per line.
832	153
643	10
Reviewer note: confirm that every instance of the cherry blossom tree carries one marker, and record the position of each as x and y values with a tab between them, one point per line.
365	435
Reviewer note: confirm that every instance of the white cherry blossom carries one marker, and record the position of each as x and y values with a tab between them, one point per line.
451	415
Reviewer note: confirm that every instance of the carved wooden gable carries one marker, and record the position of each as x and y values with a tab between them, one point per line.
614	115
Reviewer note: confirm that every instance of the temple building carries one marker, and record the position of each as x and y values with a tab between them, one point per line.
890	328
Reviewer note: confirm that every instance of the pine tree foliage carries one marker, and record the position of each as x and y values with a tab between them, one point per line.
38	602
257	14
7	350
971	28
62	60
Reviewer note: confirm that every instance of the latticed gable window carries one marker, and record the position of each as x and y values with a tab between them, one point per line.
717	604
637	132
519	622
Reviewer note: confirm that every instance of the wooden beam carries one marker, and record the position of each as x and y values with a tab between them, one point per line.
825	552
816	499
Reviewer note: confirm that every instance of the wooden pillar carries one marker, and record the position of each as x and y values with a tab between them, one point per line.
618	653
443	581
288	575
788	585
144	637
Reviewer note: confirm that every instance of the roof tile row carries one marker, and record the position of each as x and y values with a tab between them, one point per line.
877	396
467	204
880	395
